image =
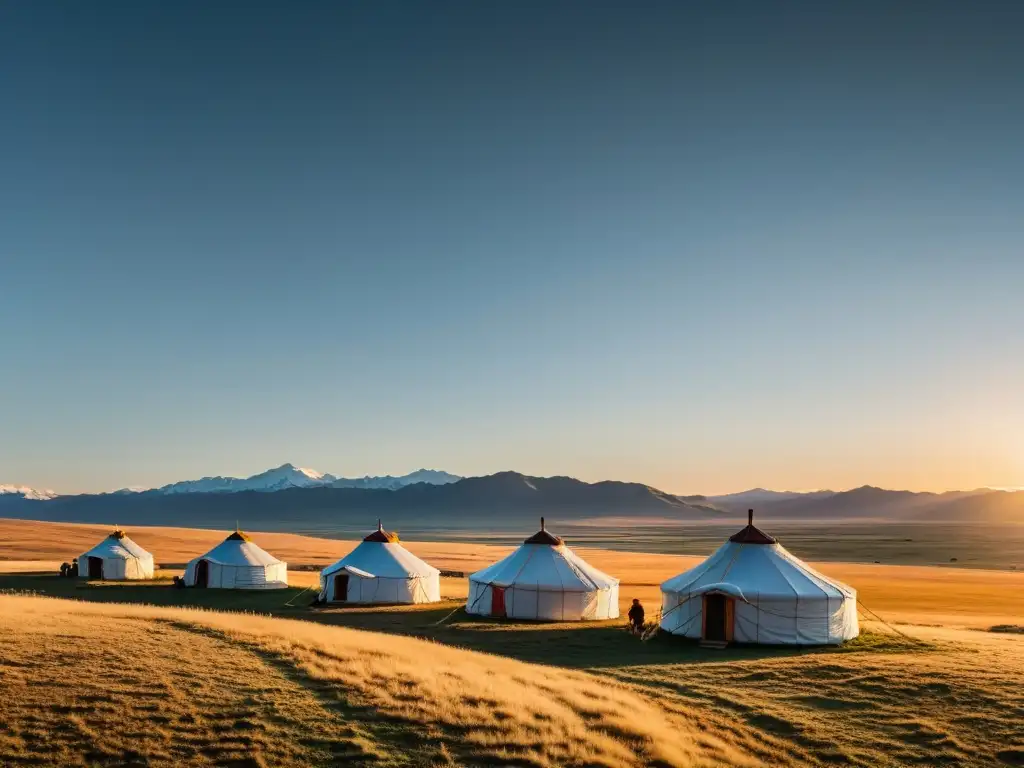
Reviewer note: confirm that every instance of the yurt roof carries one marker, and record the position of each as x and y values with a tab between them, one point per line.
757	566
550	568
751	534
382	536
117	545
239	549
543	537
384	558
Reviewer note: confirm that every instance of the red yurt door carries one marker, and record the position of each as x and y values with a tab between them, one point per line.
497	601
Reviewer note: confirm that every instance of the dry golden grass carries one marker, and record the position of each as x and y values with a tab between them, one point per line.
958	701
102	684
94	683
91	684
910	594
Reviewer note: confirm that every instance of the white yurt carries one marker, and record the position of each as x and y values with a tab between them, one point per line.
237	563
116	558
752	590
546	580
380	570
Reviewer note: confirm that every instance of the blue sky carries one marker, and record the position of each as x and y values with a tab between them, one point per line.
705	248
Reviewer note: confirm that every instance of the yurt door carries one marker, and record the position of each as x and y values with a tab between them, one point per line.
715	614
341	587
202	573
95	567
497	601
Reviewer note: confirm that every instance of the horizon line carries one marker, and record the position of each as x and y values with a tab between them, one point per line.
17	487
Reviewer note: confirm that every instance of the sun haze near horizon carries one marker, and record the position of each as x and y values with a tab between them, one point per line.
701	248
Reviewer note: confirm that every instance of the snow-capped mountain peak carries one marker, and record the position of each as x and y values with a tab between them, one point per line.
33	494
279	478
312	474
290	476
288	468
287	476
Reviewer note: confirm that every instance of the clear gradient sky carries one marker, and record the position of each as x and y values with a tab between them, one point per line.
706	246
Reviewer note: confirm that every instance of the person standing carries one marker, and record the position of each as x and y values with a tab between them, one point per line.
636	616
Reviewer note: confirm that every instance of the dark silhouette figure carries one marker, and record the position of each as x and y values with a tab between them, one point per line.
64	569
636	616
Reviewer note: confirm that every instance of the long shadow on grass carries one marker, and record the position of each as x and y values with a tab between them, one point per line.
415	743
583	645
156	592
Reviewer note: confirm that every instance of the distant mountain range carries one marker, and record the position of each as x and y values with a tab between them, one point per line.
24	492
759	496
319	505
290	476
870	502
297	498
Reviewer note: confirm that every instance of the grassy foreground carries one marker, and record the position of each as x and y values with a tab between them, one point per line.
956	701
97	681
90	684
116	684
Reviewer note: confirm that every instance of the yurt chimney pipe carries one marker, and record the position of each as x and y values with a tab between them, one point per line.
542	523
750	517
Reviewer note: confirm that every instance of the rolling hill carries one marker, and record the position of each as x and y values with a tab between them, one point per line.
207	688
99	680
